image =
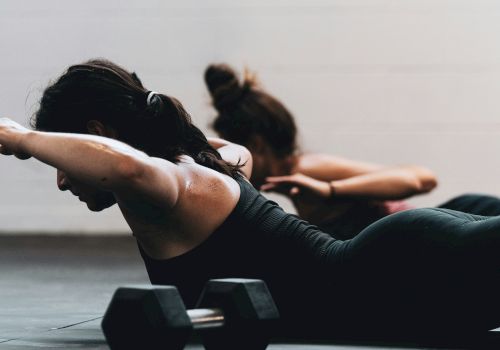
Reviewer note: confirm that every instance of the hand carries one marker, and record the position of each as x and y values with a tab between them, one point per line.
11	135
298	185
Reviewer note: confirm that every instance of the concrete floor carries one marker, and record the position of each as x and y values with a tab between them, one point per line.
54	290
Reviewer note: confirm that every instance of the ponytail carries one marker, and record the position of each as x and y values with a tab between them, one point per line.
154	123
244	111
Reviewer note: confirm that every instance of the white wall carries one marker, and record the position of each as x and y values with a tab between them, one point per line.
401	81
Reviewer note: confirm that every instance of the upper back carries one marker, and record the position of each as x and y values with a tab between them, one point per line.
206	198
256	240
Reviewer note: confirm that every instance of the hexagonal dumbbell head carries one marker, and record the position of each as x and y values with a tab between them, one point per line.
146	317
249	314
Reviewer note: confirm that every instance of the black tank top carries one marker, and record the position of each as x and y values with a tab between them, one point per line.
259	240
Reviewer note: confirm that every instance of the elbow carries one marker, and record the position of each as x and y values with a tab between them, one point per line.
424	180
246	162
421	186
238	154
246	155
428	184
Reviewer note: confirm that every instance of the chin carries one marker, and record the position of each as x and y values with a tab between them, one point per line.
96	207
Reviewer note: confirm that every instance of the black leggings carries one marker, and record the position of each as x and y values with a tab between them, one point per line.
479	204
421	271
362	215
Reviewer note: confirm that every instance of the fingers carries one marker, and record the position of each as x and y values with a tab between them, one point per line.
280	188
5	151
288	185
281	179
267	187
282	182
22	156
275	188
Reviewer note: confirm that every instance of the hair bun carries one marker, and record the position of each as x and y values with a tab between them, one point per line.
224	85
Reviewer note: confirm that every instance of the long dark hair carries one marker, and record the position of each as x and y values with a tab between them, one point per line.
244	110
101	90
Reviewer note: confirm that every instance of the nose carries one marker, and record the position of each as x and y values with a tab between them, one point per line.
62	181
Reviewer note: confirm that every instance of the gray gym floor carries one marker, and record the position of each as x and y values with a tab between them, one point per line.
54	290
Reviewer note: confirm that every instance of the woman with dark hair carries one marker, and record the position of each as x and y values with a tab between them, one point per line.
195	217
352	194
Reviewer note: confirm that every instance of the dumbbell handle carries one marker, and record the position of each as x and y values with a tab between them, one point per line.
206	318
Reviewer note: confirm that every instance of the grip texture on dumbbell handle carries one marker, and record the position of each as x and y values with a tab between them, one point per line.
206	318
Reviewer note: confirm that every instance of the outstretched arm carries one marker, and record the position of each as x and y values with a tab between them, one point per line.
233	153
98	161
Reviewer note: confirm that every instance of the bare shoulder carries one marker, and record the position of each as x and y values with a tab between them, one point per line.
189	179
206	199
185	193
206	185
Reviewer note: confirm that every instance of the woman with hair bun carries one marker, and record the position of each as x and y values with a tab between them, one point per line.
354	193
195	216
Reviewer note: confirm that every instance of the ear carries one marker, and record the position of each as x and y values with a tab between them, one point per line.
95	127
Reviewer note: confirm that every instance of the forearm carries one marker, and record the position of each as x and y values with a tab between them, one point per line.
96	160
396	183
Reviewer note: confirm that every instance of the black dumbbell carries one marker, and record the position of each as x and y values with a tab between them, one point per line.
230	314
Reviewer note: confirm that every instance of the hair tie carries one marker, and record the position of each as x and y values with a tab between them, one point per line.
151	95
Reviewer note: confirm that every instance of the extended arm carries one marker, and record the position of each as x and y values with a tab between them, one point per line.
233	153
98	161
